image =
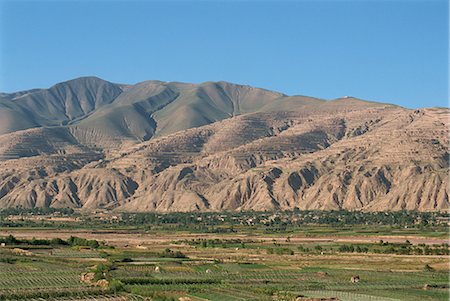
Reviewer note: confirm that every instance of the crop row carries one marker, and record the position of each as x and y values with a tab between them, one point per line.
148	281
348	296
39	282
229	294
48	293
94	298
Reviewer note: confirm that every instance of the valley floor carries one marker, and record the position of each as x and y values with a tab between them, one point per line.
180	265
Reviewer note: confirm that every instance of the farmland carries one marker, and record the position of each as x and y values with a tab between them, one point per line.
126	261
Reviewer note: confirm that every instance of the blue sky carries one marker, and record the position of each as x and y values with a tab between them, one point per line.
392	51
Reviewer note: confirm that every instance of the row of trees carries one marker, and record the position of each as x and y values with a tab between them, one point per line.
383	248
71	241
213	243
286	218
36	211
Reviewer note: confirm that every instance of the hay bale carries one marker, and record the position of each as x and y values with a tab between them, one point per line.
103	283
87	277
19	251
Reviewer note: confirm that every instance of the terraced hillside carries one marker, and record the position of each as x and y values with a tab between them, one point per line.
158	146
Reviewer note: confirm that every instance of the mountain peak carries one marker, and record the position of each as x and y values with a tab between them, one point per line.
85	81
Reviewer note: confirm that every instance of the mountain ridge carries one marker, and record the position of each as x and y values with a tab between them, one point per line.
168	146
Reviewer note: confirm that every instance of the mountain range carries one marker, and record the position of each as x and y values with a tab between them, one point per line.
168	146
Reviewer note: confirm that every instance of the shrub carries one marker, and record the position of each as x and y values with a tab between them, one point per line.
168	253
77	241
8	260
116	286
127	259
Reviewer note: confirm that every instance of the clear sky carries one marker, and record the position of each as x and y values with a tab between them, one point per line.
392	51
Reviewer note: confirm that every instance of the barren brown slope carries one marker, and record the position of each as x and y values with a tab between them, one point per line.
394	161
158	146
310	154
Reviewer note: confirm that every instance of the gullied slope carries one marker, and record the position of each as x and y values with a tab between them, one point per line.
159	146
358	170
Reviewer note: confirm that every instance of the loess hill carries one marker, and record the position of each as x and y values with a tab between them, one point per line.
167	146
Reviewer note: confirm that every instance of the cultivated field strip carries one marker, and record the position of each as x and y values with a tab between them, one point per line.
42	277
345	296
128	297
38	281
67	253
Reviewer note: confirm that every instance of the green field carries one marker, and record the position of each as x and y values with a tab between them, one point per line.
150	264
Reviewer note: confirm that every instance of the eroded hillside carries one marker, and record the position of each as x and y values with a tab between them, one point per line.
159	146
